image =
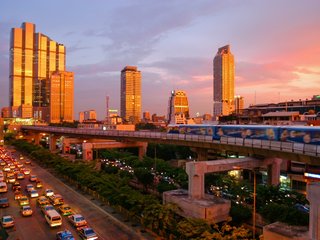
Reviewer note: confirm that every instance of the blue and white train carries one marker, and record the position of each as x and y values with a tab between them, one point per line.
299	134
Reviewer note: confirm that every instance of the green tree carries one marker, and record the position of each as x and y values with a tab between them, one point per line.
144	177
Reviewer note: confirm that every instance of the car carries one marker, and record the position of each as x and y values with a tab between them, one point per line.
20	175
17	195
87	233
26	171
45	208
32	178
11	179
16	186
4	202
77	220
24	200
65	235
27	161
65	210
7	221
302	208
42	200
48	192
19	165
26	210
39	184
34	193
29	187
6	168
56	199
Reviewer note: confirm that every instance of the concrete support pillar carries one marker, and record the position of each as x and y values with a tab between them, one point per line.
37	138
274	171
142	149
65	145
313	196
87	152
202	154
52	142
196	173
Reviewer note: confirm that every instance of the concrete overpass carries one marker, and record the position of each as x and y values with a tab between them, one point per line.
300	152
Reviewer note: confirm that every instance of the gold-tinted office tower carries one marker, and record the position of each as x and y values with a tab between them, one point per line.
130	94
61	97
178	105
223	82
33	57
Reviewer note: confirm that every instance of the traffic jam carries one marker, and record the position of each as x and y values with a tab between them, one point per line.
16	176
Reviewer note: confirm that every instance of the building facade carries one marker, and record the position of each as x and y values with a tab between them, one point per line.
178	107
223	82
238	104
33	58
89	115
146	116
130	94
61	97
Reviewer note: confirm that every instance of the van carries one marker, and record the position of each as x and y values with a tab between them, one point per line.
53	218
3	187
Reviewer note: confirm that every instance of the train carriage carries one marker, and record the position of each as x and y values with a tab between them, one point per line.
299	134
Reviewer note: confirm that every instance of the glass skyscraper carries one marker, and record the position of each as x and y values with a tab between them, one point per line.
130	94
33	58
61	97
223	82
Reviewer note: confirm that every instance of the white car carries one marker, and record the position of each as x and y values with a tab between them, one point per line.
7	221
49	192
34	193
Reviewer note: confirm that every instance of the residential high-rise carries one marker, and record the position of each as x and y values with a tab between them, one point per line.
130	94
223	82
178	107
33	57
61	97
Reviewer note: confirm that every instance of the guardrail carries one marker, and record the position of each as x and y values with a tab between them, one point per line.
298	148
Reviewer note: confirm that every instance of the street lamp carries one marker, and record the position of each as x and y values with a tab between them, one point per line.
254	202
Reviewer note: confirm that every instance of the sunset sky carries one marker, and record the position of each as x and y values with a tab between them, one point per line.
276	44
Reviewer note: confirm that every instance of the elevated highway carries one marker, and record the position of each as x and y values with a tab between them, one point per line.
300	152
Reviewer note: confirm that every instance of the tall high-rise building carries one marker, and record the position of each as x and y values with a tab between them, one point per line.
238	104
178	107
223	82
61	97
33	57
130	94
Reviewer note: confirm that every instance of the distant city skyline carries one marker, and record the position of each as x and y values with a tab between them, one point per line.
277	51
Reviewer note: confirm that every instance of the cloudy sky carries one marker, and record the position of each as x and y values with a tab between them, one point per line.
276	44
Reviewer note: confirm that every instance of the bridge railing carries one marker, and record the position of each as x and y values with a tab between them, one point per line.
299	148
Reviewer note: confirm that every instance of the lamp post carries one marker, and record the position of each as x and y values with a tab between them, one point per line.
254	203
